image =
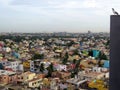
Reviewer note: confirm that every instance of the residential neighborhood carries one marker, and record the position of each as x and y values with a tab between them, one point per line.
54	61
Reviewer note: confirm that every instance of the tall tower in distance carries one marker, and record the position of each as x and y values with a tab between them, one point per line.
114	52
89	32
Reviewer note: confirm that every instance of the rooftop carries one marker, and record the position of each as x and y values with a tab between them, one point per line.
4	72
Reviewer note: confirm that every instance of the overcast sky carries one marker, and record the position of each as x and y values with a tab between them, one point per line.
56	15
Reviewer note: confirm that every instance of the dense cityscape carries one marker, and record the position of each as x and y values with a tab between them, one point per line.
54	61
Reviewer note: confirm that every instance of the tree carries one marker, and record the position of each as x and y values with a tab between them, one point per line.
38	56
70	43
50	70
42	67
1	66
65	59
90	53
72	74
76	52
74	61
77	66
102	56
107	43
99	63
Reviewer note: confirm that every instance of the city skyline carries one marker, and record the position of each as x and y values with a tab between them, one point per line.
53	16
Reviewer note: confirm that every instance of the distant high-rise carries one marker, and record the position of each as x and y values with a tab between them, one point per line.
89	32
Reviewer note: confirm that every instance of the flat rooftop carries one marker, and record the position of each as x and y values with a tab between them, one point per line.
5	72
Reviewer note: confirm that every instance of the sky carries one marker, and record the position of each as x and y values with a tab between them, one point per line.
56	15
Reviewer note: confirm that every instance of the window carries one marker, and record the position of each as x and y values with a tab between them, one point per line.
32	65
32	69
11	79
4	77
32	84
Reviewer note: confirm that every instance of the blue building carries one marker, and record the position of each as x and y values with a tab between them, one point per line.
106	64
96	53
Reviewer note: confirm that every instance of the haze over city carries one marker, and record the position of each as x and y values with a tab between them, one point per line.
56	15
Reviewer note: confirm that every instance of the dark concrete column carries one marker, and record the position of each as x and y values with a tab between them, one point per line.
114	52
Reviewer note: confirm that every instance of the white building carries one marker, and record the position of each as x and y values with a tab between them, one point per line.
53	85
60	67
14	65
4	63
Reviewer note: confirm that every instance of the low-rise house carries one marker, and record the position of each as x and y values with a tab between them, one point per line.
71	58
20	78
7	77
46	82
36	82
62	75
28	76
4	62
100	69
94	75
53	84
60	67
14	65
76	81
26	64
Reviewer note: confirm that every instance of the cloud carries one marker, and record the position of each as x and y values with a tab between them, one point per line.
70	4
90	4
72	14
5	2
20	2
65	7
51	3
74	4
25	6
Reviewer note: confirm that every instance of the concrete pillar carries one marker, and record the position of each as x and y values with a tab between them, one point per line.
114	52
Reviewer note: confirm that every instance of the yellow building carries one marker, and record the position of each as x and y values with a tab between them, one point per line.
28	76
98	84
46	82
71	58
26	64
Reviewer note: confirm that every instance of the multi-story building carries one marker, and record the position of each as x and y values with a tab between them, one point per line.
14	65
34	65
